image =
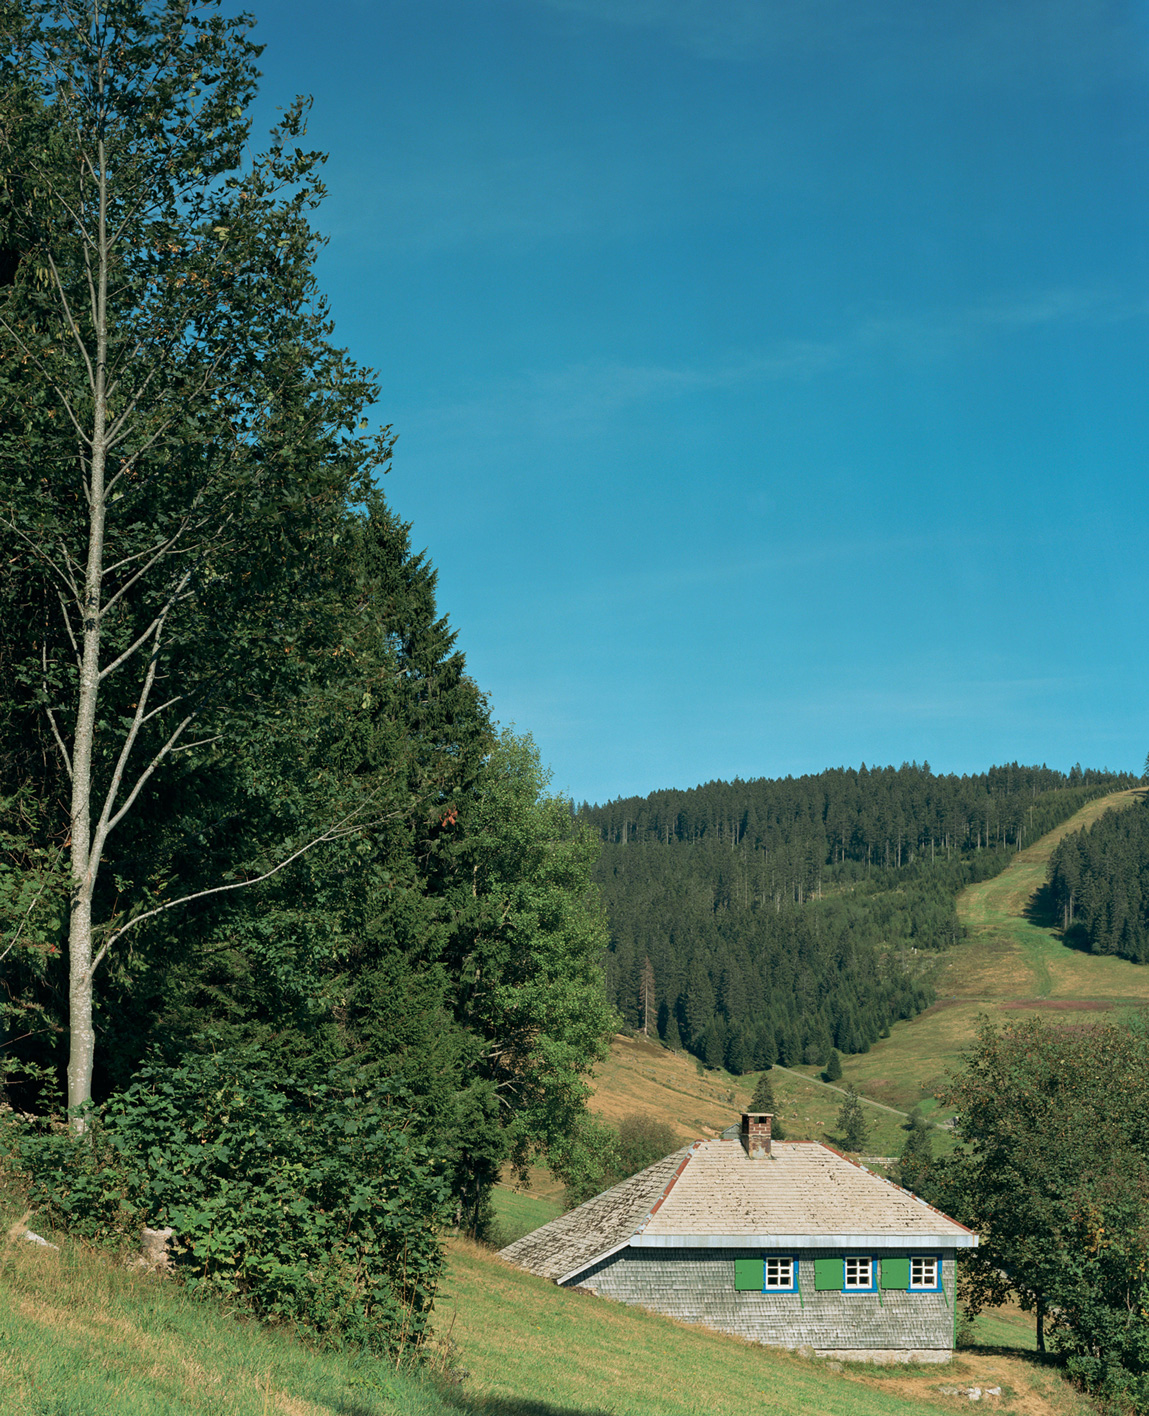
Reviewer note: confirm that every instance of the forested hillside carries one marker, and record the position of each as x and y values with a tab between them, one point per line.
1099	884
768	921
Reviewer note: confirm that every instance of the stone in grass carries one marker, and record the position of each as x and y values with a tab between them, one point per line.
39	1239
154	1255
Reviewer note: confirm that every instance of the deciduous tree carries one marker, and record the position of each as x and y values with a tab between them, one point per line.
1053	1172
180	441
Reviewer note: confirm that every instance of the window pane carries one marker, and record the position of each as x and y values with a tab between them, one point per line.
923	1273
779	1273
858	1273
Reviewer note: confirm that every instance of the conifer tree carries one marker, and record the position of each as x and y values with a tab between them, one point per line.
763	1100
852	1121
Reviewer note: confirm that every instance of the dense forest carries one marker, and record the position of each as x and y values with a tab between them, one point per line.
764	921
1099	884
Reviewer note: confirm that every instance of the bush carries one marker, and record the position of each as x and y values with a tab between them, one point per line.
310	1203
639	1141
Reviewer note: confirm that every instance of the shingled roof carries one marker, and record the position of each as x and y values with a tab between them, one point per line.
713	1195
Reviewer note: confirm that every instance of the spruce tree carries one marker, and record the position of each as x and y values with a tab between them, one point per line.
833	1072
763	1100
852	1121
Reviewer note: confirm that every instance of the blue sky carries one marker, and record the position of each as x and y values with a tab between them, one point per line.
770	375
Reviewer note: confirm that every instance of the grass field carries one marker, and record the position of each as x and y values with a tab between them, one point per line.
521	1338
1011	964
80	1335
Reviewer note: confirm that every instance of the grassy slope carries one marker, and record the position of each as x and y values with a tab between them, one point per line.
520	1338
78	1336
1010	964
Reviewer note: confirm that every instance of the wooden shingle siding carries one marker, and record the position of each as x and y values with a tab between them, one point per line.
697	1286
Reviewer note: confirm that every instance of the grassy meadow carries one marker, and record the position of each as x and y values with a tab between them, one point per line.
1011	964
83	1336
520	1338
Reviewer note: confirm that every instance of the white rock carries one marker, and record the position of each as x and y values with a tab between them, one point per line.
39	1239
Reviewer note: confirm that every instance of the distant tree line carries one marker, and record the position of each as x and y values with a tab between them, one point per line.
1099	884
775	920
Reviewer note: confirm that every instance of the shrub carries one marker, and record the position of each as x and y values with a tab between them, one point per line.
310	1203
639	1141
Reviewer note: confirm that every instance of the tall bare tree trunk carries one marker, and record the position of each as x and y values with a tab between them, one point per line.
85	851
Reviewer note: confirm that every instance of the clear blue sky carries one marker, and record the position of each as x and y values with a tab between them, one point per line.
770	375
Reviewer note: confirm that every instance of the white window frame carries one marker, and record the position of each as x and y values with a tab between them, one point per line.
856	1286
921	1263
781	1285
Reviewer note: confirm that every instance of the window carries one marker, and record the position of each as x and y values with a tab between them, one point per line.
859	1276
924	1272
773	1275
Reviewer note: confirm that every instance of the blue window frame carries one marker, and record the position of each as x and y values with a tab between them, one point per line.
925	1273
860	1274
781	1274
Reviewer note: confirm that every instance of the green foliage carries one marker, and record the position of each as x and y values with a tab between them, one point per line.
917	1156
783	919
642	1140
851	1121
833	1072
310	1202
1099	884
1054	1174
639	1141
763	1100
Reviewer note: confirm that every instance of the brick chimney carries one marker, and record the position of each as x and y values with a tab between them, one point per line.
756	1133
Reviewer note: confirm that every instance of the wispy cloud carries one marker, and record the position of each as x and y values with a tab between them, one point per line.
577	399
1068	42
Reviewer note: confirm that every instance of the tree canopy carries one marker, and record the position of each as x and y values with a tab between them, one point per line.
1053	1172
779	920
251	800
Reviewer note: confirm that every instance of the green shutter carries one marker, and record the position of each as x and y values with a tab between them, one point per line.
749	1275
829	1275
896	1273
